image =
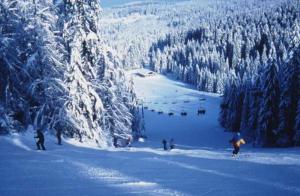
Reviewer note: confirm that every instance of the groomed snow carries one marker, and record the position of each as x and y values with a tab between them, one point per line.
201	164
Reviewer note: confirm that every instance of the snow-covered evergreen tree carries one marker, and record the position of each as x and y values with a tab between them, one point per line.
33	62
231	107
56	72
246	112
224	112
297	126
290	95
254	104
268	114
85	68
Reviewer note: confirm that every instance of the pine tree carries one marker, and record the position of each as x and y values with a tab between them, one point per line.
121	111
12	73
246	112
235	107
295	34
47	64
268	114
255	102
224	112
290	94
231	106
297	127
52	81
86	70
33	65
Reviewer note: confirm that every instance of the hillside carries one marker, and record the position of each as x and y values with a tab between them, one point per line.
201	164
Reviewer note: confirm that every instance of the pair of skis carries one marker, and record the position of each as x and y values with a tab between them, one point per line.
240	155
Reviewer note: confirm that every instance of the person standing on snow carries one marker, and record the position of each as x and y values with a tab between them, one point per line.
115	142
165	144
236	142
128	141
58	135
172	145
40	140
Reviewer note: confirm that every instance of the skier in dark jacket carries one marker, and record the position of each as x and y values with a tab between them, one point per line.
129	141
40	140
58	135
165	144
115	142
172	145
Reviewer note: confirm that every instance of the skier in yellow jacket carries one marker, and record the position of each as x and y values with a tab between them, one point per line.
236	142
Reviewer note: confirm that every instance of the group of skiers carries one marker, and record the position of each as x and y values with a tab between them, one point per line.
171	144
40	138
236	141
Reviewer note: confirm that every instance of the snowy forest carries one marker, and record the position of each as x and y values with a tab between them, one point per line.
56	73
150	97
62	64
252	57
224	47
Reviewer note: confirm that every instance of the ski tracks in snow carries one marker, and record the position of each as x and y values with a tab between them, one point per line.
17	142
129	184
276	185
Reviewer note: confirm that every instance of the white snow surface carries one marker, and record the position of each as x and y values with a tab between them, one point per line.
201	163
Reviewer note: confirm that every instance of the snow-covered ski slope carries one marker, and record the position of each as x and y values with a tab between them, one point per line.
201	164
114	3
161	94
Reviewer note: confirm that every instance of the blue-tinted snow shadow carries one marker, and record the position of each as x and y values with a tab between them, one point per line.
139	170
165	166
166	170
47	173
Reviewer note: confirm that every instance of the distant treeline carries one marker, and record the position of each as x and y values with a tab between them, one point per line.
249	53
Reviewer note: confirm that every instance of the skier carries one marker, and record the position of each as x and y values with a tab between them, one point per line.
165	144
58	135
172	145
128	141
115	142
236	142
40	140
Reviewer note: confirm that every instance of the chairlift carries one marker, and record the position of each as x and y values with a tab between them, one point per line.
183	113
171	113
201	111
